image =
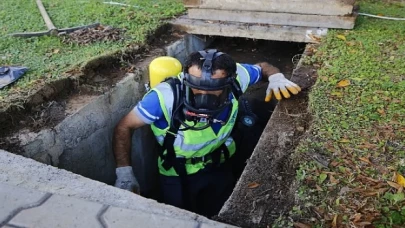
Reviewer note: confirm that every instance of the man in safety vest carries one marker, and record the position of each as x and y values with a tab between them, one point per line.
192	117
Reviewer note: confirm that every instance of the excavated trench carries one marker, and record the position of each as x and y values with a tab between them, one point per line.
69	123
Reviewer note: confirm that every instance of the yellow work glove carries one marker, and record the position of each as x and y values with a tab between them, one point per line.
278	83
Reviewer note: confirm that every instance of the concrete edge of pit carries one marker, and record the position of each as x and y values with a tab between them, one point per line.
30	180
266	188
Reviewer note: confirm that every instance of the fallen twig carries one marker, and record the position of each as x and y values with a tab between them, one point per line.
120	4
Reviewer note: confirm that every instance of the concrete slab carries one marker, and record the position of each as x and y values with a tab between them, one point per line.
26	173
60	211
320	7
221	225
123	218
43	210
13	200
323	21
254	31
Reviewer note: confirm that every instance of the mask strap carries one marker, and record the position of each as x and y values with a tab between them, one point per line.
208	57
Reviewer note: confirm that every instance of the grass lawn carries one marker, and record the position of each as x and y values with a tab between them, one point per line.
48	57
358	130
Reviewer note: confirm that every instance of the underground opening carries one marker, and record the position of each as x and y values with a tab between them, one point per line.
80	138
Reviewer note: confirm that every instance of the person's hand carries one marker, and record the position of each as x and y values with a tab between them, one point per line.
126	179
278	83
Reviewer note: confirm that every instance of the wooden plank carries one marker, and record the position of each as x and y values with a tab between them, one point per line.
191	3
320	7
324	21
254	31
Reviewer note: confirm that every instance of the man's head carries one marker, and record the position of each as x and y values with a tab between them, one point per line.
208	78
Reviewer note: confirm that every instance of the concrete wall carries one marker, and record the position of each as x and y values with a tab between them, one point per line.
320	7
82	142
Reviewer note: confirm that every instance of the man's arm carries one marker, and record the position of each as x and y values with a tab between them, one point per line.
278	84
122	151
267	70
122	138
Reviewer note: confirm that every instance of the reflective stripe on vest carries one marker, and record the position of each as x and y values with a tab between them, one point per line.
243	77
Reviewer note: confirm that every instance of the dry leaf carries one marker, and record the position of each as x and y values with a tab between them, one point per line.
366	160
55	51
400	179
393	184
314	38
319	210
343	83
324	78
368	178
301	225
356	217
342	37
367	145
351	43
381	111
253	185
334	222
333	179
334	163
374	193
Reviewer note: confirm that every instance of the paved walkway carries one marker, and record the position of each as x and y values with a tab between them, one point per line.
22	207
33	194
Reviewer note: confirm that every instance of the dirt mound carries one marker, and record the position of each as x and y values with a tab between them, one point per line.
91	35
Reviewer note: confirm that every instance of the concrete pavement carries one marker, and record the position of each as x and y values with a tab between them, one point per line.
33	194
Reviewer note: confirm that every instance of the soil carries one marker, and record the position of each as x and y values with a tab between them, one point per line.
91	35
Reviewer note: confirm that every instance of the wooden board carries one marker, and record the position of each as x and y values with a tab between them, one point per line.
323	21
254	31
319	7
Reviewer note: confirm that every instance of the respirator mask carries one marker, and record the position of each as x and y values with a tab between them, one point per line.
206	97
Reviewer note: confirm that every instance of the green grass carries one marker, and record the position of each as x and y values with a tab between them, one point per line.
47	57
355	124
